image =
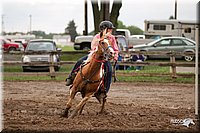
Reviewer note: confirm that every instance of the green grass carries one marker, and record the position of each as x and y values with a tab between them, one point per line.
75	57
149	69
12	69
71	57
67	69
155	79
66	48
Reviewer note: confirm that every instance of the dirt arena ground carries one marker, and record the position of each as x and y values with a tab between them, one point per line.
130	107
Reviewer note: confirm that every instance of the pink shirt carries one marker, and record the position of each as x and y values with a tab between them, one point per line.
111	38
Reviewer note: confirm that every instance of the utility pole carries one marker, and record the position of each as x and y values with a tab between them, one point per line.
2	24
30	23
85	32
175	11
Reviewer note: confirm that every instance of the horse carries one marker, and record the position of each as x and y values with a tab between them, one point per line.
90	78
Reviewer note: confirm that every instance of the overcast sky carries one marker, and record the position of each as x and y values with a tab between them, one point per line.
54	15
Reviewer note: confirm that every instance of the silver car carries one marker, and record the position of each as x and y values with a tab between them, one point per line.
169	44
40	46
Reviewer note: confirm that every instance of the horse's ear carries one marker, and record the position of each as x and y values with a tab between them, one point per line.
103	33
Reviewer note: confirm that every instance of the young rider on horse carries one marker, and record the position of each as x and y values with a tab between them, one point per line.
104	25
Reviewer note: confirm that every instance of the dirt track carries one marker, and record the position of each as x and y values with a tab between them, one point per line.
130	106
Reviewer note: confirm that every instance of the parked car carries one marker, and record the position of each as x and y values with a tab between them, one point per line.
9	46
22	41
44	46
84	42
169	44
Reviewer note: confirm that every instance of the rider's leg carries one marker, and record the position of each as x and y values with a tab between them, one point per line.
108	76
72	75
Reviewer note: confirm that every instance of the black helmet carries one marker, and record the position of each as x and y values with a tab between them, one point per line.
106	24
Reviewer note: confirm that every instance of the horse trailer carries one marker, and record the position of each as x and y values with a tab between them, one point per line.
166	28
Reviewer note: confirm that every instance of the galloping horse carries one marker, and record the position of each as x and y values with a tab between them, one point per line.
90	78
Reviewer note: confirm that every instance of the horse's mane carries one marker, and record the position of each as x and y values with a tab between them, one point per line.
92	52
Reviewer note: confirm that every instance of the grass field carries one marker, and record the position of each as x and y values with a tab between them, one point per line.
74	57
136	78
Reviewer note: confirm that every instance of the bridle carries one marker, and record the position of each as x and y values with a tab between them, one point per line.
106	54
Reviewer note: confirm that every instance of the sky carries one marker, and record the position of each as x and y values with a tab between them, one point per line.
53	16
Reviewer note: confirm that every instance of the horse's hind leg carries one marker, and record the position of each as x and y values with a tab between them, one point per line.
103	105
79	106
103	96
81	110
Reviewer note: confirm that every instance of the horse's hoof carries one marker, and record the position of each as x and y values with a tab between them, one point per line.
73	114
102	112
65	114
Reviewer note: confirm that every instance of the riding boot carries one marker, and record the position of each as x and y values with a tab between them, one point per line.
70	79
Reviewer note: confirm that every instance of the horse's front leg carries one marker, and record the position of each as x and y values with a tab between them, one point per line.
69	103
79	106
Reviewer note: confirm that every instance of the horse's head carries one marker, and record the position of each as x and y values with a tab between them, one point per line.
105	48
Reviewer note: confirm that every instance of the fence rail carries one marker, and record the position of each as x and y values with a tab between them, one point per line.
173	64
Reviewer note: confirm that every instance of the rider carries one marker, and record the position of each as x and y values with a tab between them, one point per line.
104	25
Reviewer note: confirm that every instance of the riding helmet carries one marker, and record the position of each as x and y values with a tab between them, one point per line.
106	24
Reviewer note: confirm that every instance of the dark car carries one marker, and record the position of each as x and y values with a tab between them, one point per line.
169	44
40	46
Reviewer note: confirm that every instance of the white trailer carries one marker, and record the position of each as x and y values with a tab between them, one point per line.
165	28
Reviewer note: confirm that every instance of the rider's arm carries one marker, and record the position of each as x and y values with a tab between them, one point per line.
115	47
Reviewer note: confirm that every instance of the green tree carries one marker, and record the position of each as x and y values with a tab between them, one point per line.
39	33
71	30
120	25
135	30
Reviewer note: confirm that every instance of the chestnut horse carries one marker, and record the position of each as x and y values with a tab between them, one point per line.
90	78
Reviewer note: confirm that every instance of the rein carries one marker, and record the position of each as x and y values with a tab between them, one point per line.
99	61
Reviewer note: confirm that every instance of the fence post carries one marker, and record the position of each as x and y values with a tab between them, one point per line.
51	67
196	92
173	66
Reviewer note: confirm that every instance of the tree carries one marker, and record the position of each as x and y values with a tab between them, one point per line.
39	33
101	12
134	30
71	30
120	25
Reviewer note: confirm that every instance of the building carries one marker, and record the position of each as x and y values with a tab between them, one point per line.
63	40
163	28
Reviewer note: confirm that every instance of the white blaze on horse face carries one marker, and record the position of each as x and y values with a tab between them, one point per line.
106	40
110	48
